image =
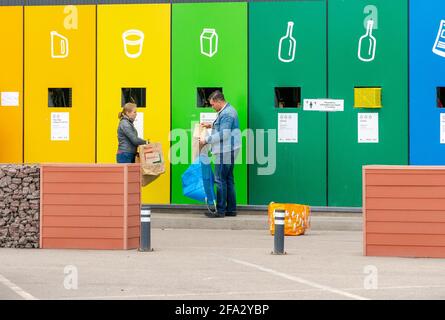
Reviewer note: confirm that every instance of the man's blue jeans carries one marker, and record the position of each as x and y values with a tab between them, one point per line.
225	182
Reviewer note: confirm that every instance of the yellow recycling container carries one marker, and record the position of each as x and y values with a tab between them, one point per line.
134	66
11	84
60	75
368	98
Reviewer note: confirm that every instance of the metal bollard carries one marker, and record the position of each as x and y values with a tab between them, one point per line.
145	244
278	240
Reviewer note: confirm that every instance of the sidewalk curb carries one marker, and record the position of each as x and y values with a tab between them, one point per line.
197	220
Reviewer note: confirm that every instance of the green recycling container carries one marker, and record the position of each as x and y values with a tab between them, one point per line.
209	51
368	69
287	64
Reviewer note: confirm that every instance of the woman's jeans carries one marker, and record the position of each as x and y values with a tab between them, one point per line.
125	157
225	182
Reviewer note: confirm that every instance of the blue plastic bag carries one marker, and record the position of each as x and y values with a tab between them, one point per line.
198	181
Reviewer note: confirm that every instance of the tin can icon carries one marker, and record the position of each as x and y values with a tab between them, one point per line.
209	42
133	43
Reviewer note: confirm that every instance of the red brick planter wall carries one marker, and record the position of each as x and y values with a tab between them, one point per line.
404	211
90	206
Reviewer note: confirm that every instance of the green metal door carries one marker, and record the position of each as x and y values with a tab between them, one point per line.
209	50
366	59
282	73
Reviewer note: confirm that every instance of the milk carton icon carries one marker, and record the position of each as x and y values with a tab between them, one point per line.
209	42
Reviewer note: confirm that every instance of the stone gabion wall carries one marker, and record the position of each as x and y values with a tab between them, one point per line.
19	206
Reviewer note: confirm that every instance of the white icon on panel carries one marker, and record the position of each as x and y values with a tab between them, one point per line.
133	43
439	45
209	42
367	44
286	49
59	45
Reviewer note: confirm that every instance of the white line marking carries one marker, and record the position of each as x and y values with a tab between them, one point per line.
223	293
22	293
166	295
300	280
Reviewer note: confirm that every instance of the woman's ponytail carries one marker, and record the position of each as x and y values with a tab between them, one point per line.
125	109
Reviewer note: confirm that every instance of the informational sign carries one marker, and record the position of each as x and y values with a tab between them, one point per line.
139	124
329	105
368	127
288	127
60	126
9	99
207	117
442	128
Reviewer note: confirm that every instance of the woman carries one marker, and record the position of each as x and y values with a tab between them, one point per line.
127	135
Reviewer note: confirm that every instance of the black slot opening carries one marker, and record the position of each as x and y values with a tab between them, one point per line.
287	97
60	97
202	96
134	95
441	97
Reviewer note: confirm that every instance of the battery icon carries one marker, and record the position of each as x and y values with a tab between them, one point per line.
439	45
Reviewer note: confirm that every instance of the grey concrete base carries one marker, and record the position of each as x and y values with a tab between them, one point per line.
197	220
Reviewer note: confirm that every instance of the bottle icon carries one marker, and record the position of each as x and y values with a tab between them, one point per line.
59	45
439	45
367	44
286	49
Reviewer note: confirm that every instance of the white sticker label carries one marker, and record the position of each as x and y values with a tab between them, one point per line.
288	127
329	105
9	99
207	117
60	126
139	124
442	128
368	127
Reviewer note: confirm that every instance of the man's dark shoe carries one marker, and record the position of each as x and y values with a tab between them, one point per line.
230	214
214	215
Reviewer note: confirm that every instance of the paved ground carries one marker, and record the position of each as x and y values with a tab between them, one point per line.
222	264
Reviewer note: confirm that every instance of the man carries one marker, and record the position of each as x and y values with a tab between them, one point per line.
225	142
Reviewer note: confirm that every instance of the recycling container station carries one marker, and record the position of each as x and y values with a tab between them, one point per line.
134	66
368	69
209	51
60	82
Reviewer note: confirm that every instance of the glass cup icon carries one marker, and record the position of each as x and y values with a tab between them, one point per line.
133	43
